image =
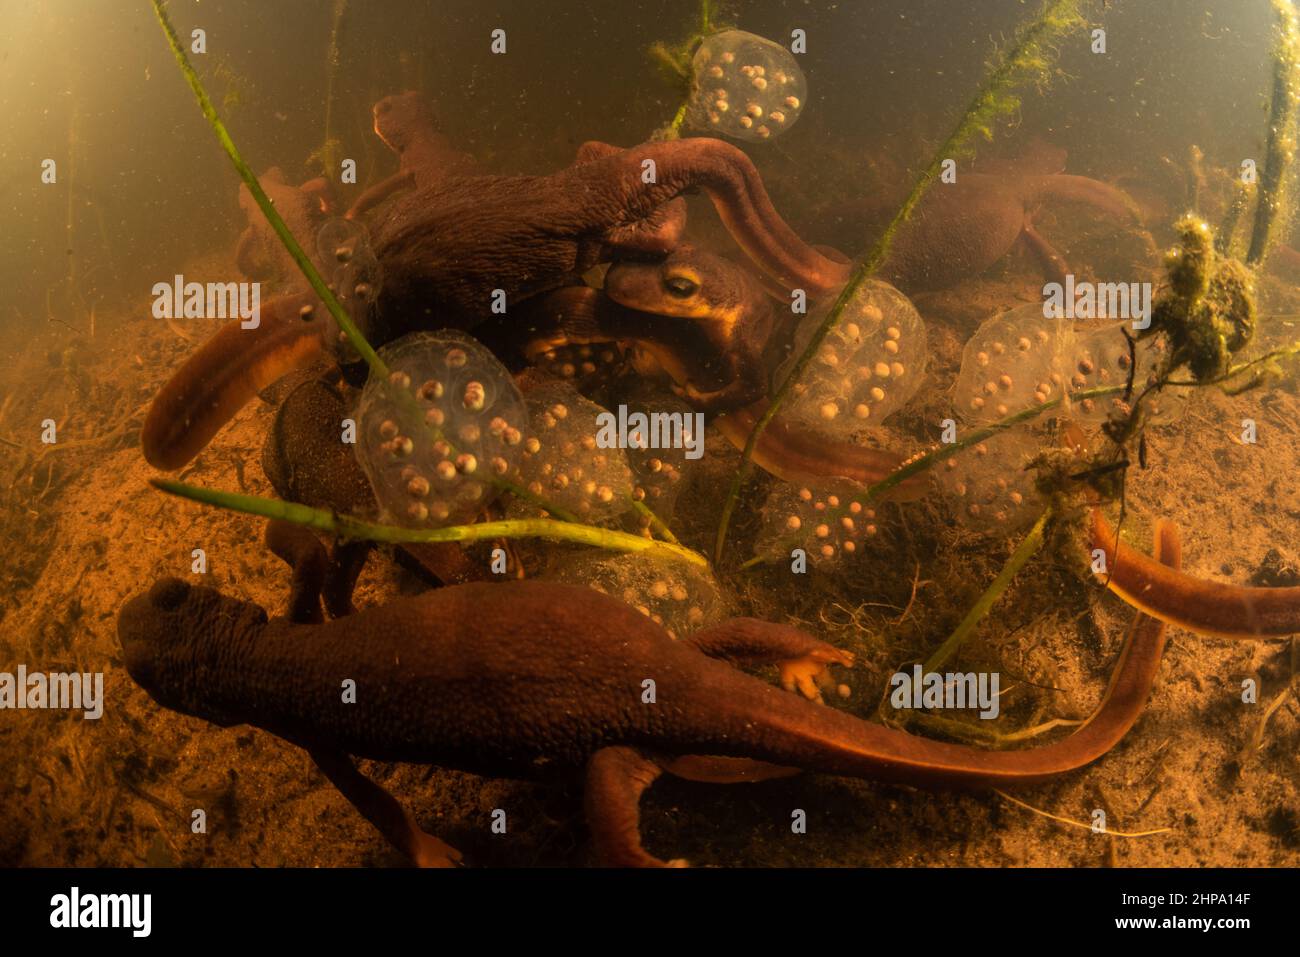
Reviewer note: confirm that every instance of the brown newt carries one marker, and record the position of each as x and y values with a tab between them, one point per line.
528	678
448	247
1207	607
406	124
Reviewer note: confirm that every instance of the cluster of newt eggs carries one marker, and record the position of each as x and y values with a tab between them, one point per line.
869	366
1022	359
436	435
351	269
562	460
680	597
659	474
746	87
1013	361
585	366
827	527
990	483
1102	357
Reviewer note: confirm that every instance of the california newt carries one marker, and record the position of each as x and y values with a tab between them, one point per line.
962	228
450	249
406	124
528	678
1207	607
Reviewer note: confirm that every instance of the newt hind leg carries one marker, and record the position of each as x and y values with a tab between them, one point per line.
385	812
616	779
803	661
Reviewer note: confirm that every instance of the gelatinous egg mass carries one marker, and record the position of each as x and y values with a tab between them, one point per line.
350	268
989	484
432	437
564	463
1013	361
678	596
870	365
826	527
1102	357
585	366
745	87
660	473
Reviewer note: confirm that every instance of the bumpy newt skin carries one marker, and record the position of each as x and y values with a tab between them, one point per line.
407	125
445	248
1207	607
531	678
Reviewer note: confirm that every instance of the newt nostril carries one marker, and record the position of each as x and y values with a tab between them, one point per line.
168	593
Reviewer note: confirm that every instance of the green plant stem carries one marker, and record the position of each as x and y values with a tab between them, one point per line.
1027	57
318	284
353	528
1026	550
656	523
1272	210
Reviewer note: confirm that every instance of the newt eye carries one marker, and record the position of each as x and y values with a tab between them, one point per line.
681	287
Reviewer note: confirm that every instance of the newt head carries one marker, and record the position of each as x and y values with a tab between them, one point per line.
402	118
716	355
169	635
689	283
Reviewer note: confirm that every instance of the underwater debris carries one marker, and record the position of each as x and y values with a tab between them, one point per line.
436	432
1209	311
745	87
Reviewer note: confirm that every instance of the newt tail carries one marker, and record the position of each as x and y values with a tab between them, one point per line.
1207	607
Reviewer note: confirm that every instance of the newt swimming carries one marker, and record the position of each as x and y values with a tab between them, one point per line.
529	678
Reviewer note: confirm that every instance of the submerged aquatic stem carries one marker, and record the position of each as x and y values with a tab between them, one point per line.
273	217
1275	184
1027	60
347	527
1026	550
